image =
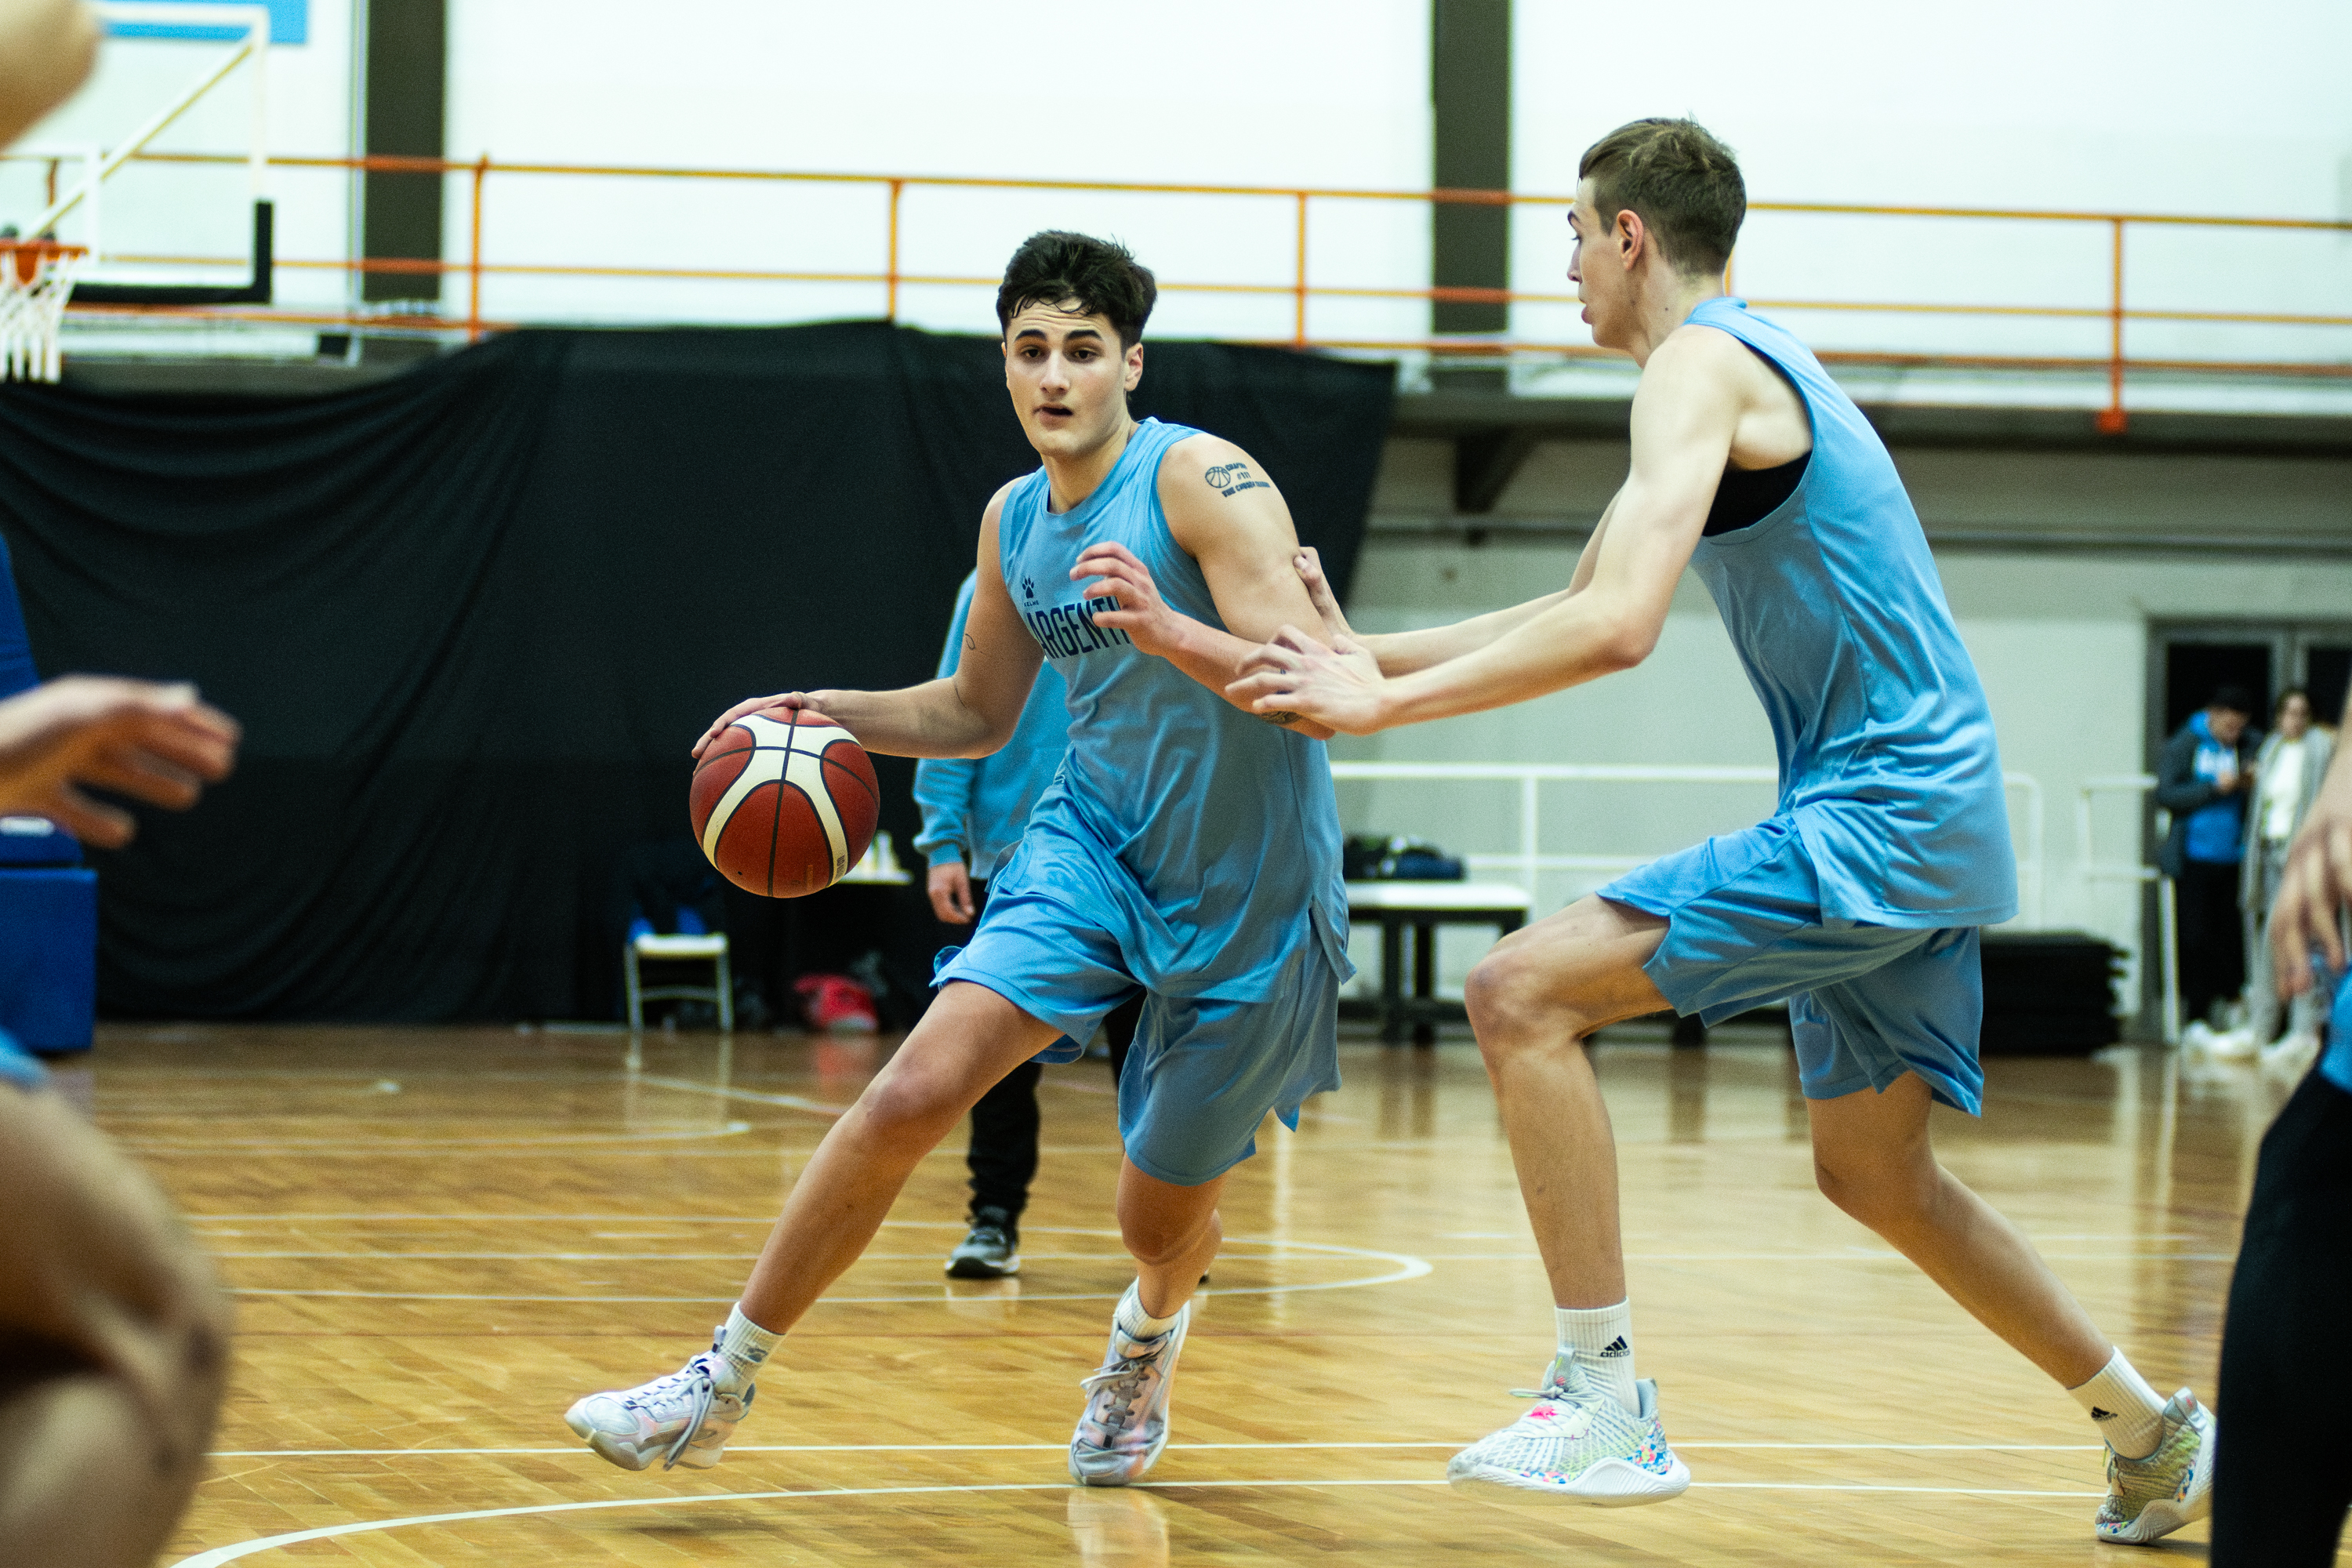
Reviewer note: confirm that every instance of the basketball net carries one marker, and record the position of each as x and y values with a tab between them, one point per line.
36	278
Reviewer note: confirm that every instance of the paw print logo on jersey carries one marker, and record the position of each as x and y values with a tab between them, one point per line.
1231	479
1028	590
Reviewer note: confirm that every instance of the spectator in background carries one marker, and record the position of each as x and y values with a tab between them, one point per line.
973	812
2200	779
2286	773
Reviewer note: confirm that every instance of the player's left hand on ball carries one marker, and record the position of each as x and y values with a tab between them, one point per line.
1337	684
1143	614
783	702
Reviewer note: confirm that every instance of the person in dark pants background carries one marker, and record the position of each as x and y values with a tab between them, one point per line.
973	812
2200	778
2283	1475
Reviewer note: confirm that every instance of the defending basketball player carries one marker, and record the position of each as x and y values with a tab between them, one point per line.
1189	850
1858	902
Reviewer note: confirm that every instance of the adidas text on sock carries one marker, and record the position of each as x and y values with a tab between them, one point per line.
1601	1338
2128	1413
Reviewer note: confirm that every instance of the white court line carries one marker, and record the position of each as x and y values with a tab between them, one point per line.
1857	1256
436	1145
584	1452
757	1097
693	1257
479	1217
224	1554
1404	1267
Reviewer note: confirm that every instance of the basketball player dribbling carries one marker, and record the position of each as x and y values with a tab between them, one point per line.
1858	902
1189	849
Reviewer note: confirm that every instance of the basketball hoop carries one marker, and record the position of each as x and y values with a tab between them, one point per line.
36	278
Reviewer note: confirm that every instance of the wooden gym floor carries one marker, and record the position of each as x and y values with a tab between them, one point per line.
440	1238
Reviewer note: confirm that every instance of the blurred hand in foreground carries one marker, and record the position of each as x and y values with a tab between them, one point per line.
153	743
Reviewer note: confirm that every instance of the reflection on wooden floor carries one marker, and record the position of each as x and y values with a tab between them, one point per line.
440	1237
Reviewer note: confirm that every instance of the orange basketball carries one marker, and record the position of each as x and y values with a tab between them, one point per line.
784	808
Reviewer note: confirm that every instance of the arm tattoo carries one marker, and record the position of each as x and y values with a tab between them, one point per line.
1231	479
1281	716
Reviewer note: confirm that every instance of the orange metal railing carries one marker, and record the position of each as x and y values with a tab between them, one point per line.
1300	289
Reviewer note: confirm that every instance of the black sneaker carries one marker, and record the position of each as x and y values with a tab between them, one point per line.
991	1251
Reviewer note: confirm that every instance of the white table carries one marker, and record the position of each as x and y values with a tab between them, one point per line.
1422	908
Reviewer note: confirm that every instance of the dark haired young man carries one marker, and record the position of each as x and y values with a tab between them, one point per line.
1189	849
1858	900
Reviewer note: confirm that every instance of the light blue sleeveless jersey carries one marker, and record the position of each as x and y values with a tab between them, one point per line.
1889	767
1204	839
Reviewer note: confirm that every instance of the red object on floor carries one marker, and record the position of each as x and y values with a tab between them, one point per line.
835	1002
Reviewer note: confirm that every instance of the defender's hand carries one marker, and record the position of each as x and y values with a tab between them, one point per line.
950	886
154	742
1143	614
2314	889
1318	593
1337	685
801	702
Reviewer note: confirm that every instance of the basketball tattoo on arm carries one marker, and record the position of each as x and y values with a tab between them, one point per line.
1230	479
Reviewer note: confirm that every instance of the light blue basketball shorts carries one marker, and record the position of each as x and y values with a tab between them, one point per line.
1866	1003
1201	1074
2336	1066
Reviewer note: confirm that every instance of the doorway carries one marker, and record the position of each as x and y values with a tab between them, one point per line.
2190	660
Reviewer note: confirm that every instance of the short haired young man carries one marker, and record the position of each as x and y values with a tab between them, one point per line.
1190	848
1858	900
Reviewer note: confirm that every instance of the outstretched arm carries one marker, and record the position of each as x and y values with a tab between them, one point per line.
2317	887
1227	515
1402	653
969	714
1684	417
158	743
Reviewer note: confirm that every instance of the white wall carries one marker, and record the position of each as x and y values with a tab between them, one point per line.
2153	106
1219	91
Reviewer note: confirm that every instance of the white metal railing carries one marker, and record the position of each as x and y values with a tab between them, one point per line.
1529	860
2088	865
2091	869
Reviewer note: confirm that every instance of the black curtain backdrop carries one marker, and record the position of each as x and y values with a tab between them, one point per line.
472	619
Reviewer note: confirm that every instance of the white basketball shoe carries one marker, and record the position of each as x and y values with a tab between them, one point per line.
1125	1423
2149	1499
684	1418
1578	1444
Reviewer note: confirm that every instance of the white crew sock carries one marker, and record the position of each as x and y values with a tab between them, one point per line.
1602	1340
2129	1414
1134	1321
743	1345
